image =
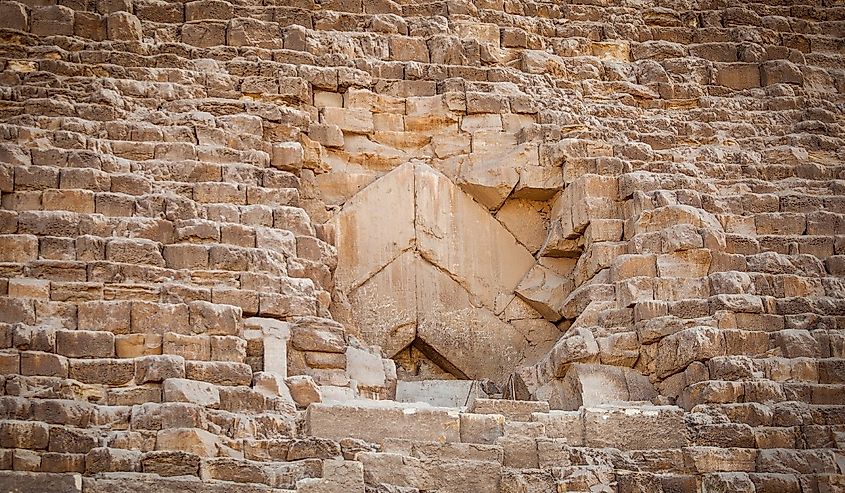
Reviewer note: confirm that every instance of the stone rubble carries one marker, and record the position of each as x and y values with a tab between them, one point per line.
230	231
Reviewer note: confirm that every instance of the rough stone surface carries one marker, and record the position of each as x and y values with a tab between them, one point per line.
608	236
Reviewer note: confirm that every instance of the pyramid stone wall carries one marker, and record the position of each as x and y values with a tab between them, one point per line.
230	230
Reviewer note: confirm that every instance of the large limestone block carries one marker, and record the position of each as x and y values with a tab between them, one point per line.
471	338
25	482
457	234
635	427
443	393
374	227
545	291
677	351
384	308
374	421
524	220
488	180
595	385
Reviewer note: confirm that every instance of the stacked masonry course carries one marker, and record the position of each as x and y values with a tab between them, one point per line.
229	229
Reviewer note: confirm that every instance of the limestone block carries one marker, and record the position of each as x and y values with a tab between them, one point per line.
85	343
204	34
481	428
219	372
677	351
511	409
213	319
250	32
326	134
170	463
123	26
635	428
303	390
104	371
439	393
385	421
544	290
275	335
158	368
353	120
288	156
578	346
159	318
487	180
18	248
472	339
14	15
38	481
562	424
191	440
686	263
44	364
181	390
316	334
365	367
208	9
780	72
134	251
24	434
273	385
738	75
524	221
408	49
29	288
595	385
445	218
104	459
52	20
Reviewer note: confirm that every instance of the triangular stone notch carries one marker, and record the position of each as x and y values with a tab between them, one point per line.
419	259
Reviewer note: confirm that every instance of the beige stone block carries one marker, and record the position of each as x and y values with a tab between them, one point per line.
365	243
386	420
444	219
159	318
738	75
52	20
686	263
635	428
134	251
123	26
200	393
80	201
524	221
24	435
204	34
29	288
192	440
208	9
191	347
325	134
43	364
104	371
133	345
353	120
677	351
158	368
287	156
18	248
85	343
303	390
14	15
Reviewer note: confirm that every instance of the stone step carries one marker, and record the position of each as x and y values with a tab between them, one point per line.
511	409
377	420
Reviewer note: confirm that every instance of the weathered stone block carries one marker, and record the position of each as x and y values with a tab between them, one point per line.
386	421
